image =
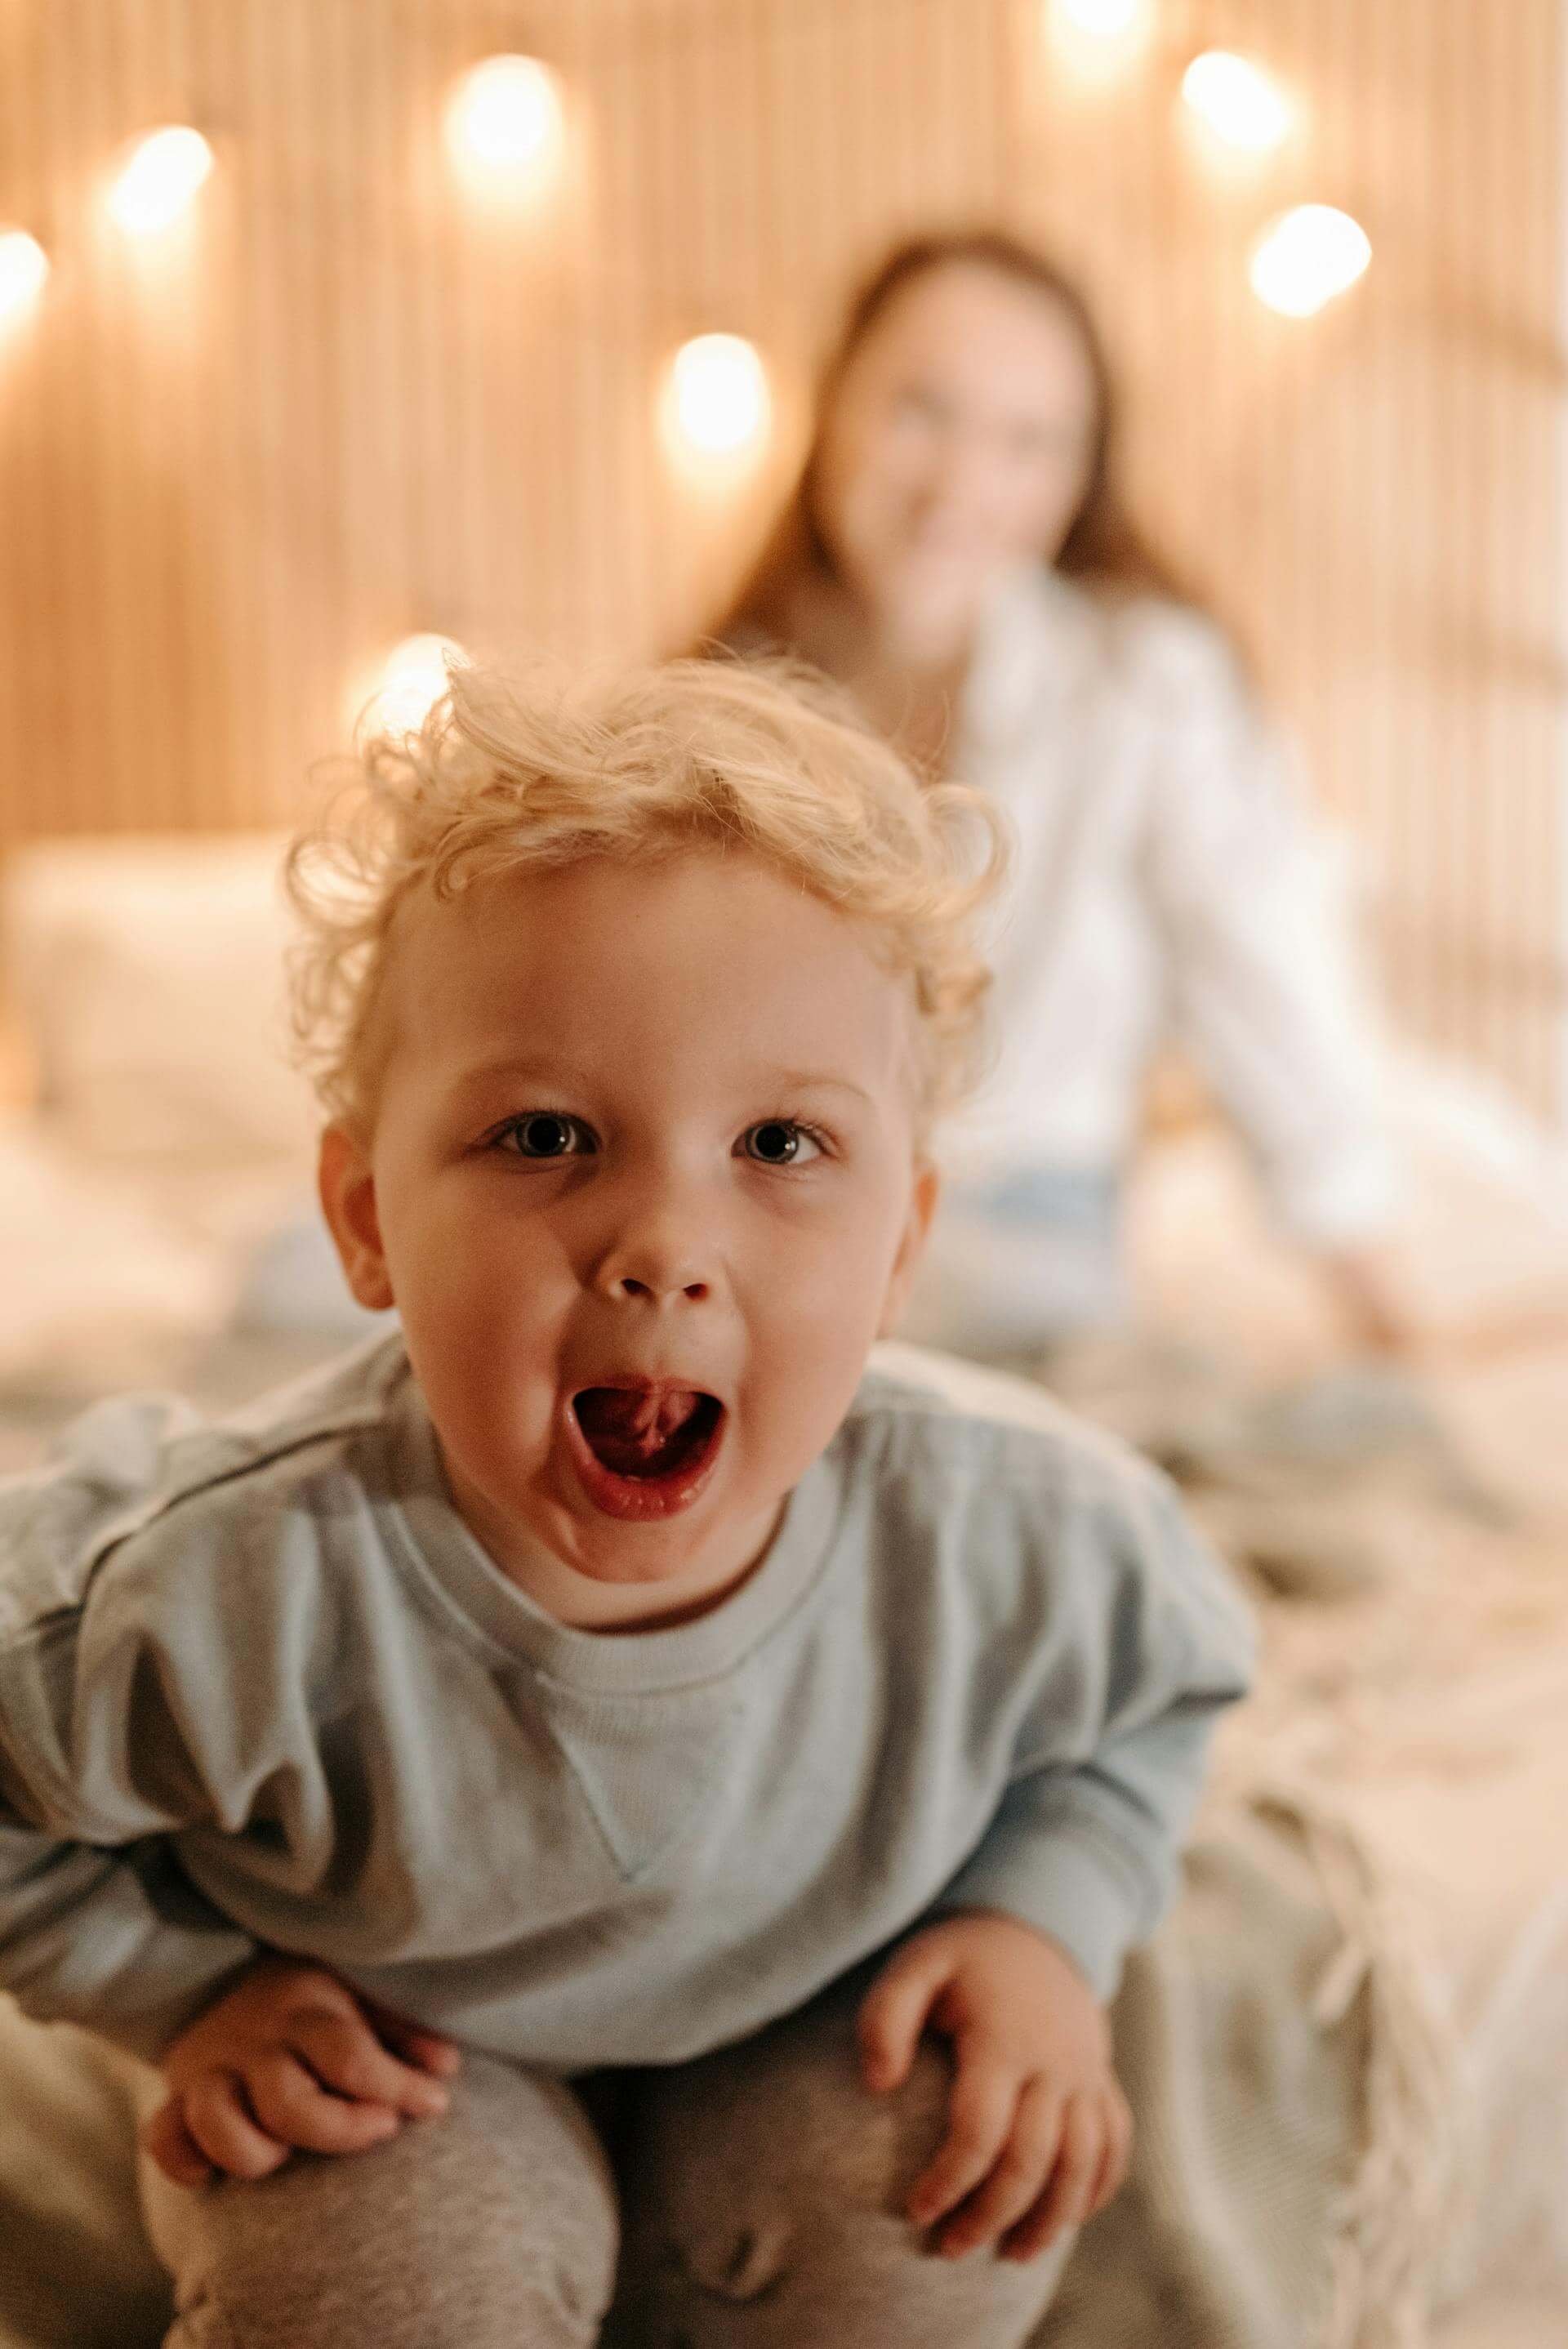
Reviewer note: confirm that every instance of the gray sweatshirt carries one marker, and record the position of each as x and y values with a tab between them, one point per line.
261	1687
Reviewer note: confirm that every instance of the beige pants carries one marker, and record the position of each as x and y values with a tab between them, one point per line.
753	2197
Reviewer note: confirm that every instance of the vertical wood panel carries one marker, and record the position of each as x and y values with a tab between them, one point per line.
362	408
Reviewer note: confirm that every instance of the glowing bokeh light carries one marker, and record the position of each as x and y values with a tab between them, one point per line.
398	696
1237	101
23	268
1308	256
718	400
505	122
161	181
1105	20
1098	39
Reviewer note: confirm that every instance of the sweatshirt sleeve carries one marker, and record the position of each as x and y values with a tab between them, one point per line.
1262	970
1086	1842
97	1924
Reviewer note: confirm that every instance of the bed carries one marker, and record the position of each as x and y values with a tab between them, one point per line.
1350	2047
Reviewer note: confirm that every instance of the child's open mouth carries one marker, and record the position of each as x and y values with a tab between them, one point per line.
643	1449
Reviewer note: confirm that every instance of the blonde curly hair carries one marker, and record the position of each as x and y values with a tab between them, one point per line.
525	768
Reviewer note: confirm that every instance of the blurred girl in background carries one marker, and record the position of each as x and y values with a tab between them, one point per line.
956	552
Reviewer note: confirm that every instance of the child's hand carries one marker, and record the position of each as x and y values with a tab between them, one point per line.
1038	2132
291	2058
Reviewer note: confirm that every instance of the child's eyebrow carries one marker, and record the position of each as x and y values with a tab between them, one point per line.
543	1072
801	1081
545	1076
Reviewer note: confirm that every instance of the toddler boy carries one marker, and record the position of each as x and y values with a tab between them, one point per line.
608	1676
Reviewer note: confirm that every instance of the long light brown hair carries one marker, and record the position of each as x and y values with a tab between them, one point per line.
1104	548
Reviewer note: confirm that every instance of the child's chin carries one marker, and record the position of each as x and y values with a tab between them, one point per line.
636	1565
651	1589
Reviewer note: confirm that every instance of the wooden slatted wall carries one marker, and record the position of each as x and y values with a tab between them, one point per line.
349	404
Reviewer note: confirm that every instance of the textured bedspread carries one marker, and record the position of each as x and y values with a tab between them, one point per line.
1349	2047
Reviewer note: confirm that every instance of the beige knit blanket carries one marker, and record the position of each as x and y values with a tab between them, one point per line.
1348	2048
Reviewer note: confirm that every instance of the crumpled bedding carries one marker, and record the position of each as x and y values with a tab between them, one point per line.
100	1285
1348	2048
75	2271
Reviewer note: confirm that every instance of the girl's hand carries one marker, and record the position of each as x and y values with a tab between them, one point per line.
291	2058
1038	2131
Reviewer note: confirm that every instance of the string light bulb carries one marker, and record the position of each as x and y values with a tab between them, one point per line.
162	177
1236	101
718	402
1097	40
1105	20
1308	256
505	124
399	695
23	269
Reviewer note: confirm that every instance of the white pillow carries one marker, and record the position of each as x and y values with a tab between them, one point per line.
147	976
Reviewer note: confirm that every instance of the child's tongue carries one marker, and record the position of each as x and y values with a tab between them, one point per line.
635	1430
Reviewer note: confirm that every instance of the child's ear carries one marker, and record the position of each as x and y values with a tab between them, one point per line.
348	1190
910	1247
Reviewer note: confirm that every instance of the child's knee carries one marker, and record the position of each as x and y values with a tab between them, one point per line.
786	2120
767	2178
774	2219
447	2234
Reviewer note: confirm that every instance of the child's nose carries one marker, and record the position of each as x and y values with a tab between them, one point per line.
657	1257
657	1286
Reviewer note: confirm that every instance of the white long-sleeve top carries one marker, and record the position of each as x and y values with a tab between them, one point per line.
1168	886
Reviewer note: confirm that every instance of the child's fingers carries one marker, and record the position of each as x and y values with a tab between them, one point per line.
1068	2197
292	2106
1078	2166
1031	2235
1117	2152
216	2116
344	2054
428	2050
979	2120
894	2011
1017	2179
1028	2238
166	2140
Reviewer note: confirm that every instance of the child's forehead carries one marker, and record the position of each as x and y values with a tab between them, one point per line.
709	950
665	903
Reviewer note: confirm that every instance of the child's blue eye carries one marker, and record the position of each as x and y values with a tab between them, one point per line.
780	1142
546	1134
